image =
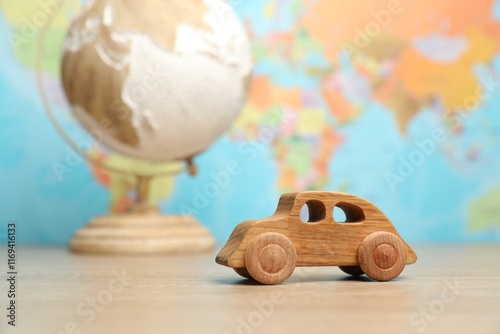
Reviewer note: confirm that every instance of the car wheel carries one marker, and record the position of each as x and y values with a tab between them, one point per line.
352	270
243	272
270	258
382	256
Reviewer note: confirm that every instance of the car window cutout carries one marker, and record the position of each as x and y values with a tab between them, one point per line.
313	211
339	215
348	213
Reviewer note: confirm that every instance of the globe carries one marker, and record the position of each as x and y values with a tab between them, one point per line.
158	80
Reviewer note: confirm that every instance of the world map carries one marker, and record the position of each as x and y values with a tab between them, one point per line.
395	101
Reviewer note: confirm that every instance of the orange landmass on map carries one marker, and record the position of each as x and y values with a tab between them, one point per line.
338	105
331	141
333	23
454	82
415	79
263	94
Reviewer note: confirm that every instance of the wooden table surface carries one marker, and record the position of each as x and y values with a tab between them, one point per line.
451	289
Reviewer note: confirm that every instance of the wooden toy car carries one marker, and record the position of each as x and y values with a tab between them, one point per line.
269	249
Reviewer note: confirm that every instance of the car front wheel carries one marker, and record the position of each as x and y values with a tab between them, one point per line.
382	256
270	258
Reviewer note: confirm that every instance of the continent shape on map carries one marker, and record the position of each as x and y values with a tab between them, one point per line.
411	62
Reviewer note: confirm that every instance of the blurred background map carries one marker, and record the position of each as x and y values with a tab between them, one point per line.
395	101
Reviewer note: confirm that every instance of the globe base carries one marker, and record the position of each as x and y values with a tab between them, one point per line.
139	233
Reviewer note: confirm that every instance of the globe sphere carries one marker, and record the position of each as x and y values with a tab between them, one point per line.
158	80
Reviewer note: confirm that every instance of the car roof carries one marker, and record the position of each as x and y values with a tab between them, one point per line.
291	203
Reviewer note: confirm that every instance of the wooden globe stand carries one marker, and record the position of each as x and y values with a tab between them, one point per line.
142	233
143	230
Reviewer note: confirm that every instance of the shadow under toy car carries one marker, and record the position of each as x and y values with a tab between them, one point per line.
269	249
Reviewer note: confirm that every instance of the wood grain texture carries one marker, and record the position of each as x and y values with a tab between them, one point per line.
321	241
142	233
382	256
457	287
270	258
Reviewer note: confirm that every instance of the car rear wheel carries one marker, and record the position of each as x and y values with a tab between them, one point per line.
352	270
382	256
270	258
243	272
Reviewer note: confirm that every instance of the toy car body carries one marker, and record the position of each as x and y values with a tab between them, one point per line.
269	249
